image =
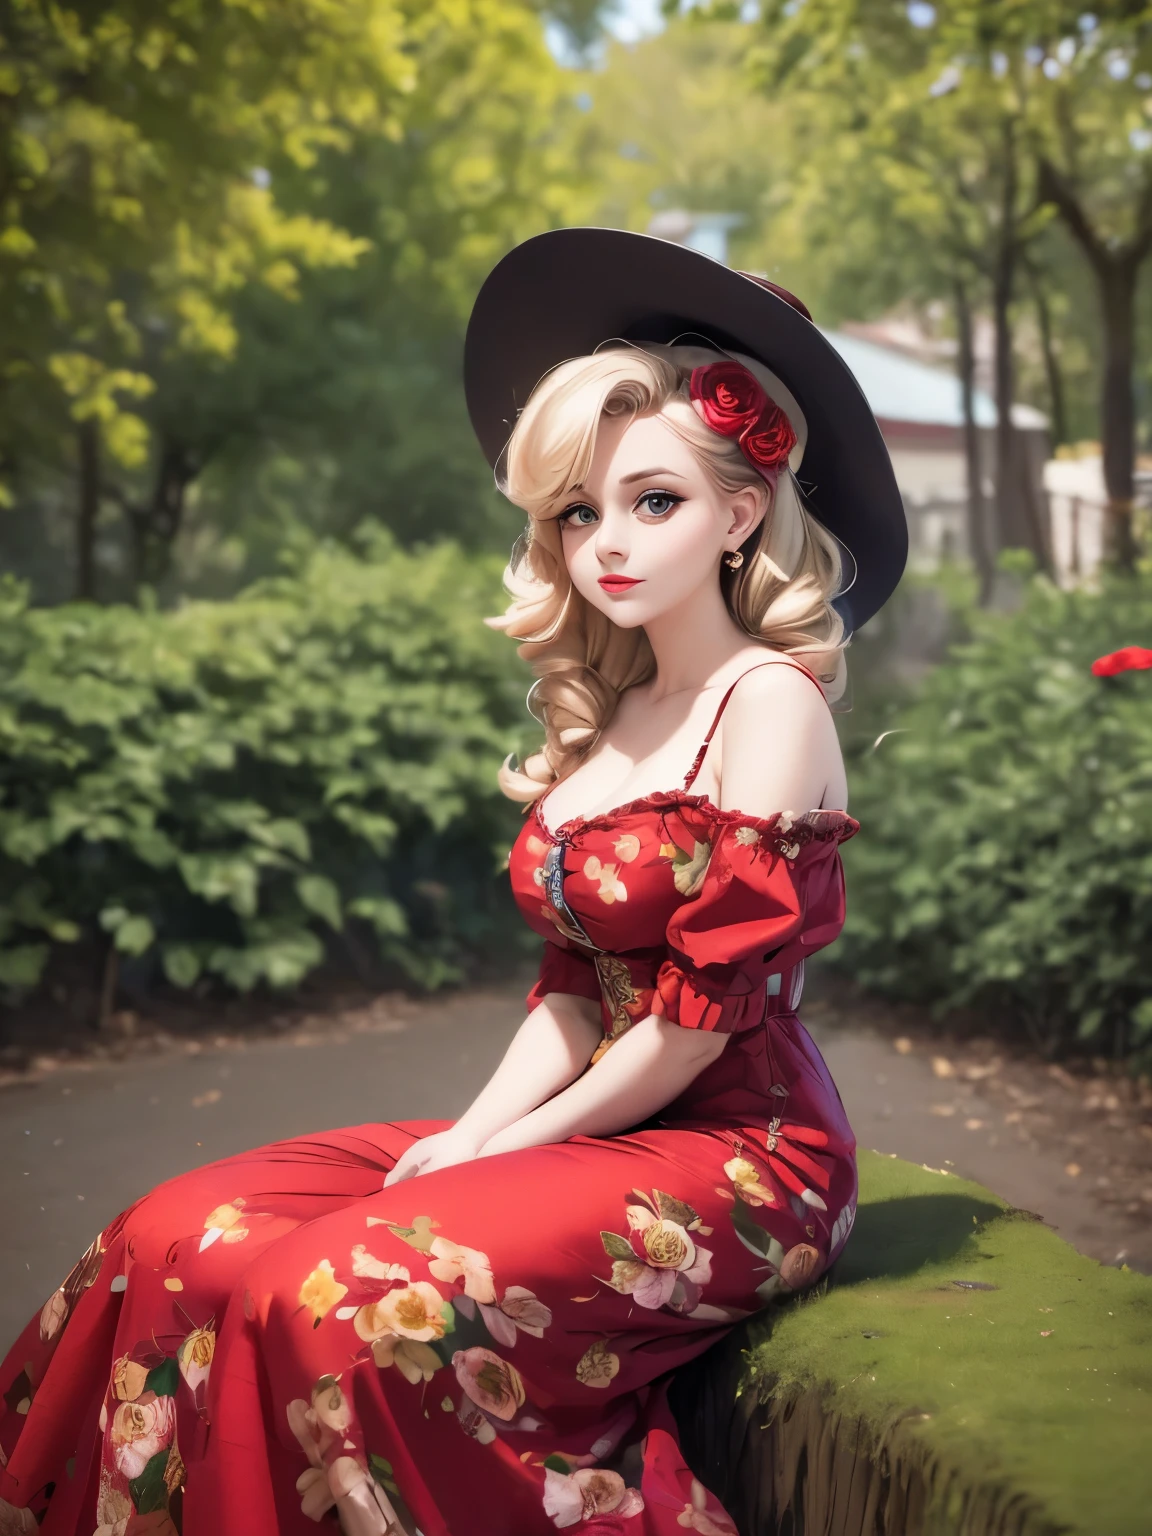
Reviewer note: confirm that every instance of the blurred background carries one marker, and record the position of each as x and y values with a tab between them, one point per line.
249	716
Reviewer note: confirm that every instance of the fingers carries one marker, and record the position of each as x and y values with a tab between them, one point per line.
362	1505
316	1496
302	1423
405	1170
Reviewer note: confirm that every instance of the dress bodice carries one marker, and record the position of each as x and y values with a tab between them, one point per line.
669	905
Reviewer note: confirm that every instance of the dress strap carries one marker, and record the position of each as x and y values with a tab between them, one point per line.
698	761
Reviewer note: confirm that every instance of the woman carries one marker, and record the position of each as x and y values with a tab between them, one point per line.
468	1328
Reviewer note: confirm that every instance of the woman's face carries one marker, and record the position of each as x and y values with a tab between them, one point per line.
649	527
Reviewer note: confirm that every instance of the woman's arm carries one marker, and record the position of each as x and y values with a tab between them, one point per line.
778	746
551	1047
644	1070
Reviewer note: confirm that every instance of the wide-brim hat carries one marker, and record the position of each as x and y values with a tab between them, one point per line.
565	293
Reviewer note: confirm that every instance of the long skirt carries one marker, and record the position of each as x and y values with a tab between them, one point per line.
276	1339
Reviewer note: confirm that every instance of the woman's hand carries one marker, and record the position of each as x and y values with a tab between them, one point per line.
443	1149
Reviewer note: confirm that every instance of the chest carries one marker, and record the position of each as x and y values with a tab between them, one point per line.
641	753
611	882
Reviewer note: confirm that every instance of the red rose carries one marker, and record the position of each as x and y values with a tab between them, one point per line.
727	397
1132	658
769	441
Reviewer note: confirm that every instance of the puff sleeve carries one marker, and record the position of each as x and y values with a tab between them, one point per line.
564	970
760	897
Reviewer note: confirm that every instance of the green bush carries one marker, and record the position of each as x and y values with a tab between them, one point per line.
1005	859
231	789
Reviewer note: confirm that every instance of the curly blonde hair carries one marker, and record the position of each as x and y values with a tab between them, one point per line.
781	595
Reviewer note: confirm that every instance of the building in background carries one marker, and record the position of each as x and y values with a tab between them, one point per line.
918	407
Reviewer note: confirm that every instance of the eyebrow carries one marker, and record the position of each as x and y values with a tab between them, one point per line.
650	474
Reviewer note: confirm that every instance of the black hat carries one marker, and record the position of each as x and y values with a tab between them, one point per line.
565	293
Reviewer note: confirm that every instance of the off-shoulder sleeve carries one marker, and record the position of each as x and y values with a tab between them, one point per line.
564	970
764	895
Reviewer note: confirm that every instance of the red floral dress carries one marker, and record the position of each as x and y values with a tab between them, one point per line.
482	1350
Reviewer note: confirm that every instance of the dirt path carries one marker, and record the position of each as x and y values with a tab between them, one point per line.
79	1141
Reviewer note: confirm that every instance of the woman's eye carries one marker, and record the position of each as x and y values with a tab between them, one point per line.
582	516
660	503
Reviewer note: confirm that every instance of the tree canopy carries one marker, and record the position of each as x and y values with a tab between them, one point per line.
227	227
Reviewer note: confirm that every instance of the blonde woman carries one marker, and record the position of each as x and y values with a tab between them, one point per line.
467	1329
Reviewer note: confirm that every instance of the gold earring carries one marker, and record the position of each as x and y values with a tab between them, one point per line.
734	560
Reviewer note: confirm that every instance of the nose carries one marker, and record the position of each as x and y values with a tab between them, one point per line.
612	542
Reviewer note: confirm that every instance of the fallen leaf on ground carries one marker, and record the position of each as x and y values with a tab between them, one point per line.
1072	1170
942	1067
903	1046
213	1096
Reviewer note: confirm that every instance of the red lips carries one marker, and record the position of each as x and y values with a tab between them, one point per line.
618	583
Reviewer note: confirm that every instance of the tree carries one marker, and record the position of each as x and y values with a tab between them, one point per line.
913	102
1094	149
210	213
132	203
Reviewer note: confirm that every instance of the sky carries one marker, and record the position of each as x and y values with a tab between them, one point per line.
630	21
635	19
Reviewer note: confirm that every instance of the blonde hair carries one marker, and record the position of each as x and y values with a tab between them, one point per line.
781	595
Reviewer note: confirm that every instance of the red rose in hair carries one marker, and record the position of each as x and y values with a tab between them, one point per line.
769	441
727	397
1132	658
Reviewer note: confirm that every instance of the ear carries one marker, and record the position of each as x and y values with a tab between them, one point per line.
748	508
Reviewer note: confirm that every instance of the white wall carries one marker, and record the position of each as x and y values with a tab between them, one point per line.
1077	501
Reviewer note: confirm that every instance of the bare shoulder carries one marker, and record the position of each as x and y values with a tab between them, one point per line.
778	682
779	746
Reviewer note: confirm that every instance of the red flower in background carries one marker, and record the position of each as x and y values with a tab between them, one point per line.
1132	658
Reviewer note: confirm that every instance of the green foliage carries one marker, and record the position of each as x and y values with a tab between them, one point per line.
996	1379
228	790
237	244
1005	858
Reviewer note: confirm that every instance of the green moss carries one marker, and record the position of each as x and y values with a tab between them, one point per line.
896	1400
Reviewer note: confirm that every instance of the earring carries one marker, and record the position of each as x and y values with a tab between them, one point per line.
734	559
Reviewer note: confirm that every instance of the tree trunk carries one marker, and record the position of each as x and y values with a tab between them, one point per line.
155	524
1116	268
1118	408
1009	530
1058	412
88	456
978	531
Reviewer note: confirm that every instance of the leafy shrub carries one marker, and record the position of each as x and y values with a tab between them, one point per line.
228	789
1005	858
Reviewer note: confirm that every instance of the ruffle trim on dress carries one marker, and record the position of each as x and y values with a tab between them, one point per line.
818	825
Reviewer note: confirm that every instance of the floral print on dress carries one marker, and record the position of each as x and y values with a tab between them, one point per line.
696	1516
785	1270
406	1323
659	1264
321	1291
747	1182
574	1497
493	1383
689	869
339	1476
59	1307
142	1474
611	887
598	1365
626	847
442	1362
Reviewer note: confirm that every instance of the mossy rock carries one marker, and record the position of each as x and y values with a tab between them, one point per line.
964	1372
